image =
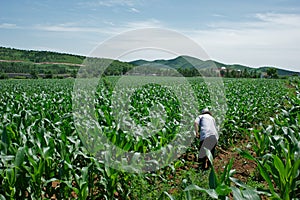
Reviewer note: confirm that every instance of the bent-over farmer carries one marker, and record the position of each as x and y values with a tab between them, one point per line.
206	129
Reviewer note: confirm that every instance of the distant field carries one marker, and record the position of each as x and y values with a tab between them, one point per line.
42	155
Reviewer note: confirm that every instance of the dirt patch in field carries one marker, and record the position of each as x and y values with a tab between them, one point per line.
243	167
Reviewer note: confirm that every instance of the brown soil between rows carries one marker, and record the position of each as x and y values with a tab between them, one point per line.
243	167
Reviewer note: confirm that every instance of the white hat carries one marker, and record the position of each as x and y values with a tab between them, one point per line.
205	110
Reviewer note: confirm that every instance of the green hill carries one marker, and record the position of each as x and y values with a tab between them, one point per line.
16	61
28	63
187	62
38	56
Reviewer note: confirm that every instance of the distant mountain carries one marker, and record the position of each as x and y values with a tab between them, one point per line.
27	61
187	62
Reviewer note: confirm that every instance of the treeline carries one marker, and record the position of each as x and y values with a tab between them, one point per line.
93	67
38	56
27	67
245	73
232	73
38	63
32	70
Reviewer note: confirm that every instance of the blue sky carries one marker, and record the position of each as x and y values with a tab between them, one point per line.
253	33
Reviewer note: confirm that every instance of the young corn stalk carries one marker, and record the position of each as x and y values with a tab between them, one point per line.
222	186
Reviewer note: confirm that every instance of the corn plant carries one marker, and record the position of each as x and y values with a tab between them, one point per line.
280	163
220	185
40	145
262	141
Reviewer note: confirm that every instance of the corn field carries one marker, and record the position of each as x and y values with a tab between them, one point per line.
44	156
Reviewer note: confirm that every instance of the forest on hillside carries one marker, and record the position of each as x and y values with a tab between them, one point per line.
15	63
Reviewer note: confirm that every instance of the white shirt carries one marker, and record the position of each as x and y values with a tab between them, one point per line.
208	126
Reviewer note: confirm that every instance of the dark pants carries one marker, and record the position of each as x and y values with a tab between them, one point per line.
204	160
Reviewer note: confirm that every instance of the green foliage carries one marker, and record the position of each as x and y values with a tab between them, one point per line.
38	56
272	72
278	158
40	147
25	61
3	76
220	186
35	69
34	74
39	144
250	103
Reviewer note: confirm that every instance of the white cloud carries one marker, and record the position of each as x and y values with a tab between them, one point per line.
110	23
134	10
148	43
291	20
109	3
71	28
8	26
150	23
218	15
107	27
61	28
269	39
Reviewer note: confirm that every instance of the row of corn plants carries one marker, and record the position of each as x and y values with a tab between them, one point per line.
277	150
41	154
276	147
